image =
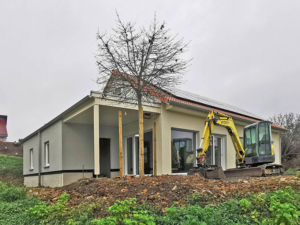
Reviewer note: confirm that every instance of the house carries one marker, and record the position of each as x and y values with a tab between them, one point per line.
83	141
3	129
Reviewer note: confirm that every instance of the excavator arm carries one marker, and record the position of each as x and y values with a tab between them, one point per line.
219	119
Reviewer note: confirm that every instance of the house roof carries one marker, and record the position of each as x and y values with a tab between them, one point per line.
184	95
168	95
195	101
3	129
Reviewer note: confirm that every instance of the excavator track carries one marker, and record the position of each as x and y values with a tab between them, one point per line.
218	173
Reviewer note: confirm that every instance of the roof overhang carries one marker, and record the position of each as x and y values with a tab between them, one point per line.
59	117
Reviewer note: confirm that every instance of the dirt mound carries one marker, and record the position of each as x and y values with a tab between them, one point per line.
9	148
162	191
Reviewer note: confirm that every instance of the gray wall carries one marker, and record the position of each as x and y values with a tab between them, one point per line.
113	134
53	134
32	143
78	145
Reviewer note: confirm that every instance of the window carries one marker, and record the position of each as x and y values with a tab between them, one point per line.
182	150
31	158
264	139
250	142
47	163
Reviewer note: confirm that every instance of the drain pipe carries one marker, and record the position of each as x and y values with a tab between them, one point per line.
40	157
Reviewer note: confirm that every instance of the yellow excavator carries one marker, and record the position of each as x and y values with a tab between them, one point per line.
254	157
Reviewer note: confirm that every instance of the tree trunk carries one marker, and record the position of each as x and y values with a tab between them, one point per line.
141	133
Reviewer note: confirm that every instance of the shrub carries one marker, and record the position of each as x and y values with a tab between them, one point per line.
10	193
14	205
126	212
52	214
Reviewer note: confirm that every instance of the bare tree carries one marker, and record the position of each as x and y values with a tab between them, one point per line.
290	140
136	63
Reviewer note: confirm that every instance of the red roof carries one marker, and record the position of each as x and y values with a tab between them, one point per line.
3	130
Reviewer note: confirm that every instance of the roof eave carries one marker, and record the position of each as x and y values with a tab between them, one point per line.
60	116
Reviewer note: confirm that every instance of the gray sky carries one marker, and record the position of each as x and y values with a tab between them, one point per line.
245	53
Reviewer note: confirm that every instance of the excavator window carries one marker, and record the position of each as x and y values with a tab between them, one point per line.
264	139
250	142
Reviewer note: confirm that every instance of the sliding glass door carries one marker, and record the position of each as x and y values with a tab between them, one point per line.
132	156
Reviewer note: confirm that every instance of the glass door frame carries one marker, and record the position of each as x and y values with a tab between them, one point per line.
223	150
134	155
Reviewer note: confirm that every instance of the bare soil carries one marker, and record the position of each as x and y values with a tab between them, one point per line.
162	191
9	148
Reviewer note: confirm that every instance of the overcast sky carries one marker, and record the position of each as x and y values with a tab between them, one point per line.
245	53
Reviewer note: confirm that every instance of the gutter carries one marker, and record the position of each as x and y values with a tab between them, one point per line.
82	101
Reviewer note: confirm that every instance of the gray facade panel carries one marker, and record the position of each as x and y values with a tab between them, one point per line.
53	135
78	146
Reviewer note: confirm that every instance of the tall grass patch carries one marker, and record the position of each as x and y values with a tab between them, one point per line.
14	205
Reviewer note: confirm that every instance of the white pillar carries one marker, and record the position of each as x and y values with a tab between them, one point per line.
96	141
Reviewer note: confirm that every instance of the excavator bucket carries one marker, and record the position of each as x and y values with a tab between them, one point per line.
209	173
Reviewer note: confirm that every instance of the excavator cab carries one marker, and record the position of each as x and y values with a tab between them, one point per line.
258	144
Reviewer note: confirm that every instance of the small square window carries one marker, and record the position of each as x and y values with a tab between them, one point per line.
47	149
31	159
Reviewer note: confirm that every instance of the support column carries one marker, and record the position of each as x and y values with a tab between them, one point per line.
154	146
142	171
120	144
96	141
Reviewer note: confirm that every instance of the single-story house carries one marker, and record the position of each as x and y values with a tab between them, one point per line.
83	141
3	129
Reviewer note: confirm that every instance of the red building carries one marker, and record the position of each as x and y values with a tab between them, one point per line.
3	129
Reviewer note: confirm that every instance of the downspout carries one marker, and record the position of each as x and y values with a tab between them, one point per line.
40	158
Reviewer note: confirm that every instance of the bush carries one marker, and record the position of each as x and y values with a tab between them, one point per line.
13	205
126	212
10	193
52	214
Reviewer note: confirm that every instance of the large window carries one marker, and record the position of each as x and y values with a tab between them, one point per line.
31	158
183	150
47	149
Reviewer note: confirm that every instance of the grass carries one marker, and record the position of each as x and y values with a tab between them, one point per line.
293	170
11	170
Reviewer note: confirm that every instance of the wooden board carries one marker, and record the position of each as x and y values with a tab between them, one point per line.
120	144
142	171
154	146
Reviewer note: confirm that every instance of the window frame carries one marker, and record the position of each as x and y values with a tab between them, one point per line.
31	159
195	143
47	154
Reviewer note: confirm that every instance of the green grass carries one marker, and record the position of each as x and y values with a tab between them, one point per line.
292	170
11	164
11	170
